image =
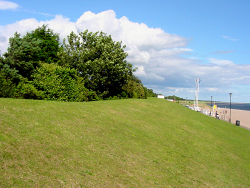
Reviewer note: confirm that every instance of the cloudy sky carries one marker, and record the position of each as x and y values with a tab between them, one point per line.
172	42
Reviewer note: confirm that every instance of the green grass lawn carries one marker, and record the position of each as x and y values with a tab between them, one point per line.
118	143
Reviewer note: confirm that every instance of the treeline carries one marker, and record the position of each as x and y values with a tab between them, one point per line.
174	98
87	66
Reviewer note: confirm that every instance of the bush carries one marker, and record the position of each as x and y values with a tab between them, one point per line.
9	78
7	87
61	83
28	91
83	94
146	92
134	90
150	93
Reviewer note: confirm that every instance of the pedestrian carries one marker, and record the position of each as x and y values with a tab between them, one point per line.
217	115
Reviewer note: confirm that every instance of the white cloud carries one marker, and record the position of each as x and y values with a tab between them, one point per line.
105	21
141	41
137	56
59	24
149	76
22	27
220	62
5	5
130	33
224	52
210	89
229	38
62	26
183	49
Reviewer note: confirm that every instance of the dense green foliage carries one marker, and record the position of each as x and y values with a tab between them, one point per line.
151	93
119	143
174	97
22	54
48	44
88	66
8	79
99	60
61	83
134	88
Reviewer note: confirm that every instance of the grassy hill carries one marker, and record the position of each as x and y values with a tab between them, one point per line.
119	143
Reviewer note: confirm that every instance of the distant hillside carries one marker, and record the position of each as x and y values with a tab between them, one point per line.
118	143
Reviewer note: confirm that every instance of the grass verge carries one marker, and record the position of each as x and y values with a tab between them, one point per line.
119	143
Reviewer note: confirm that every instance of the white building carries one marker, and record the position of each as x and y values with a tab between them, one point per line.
161	96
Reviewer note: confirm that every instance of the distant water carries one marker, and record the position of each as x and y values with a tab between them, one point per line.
238	106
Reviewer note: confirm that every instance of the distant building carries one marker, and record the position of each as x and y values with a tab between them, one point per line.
161	96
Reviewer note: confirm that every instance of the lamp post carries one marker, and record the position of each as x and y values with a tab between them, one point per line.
211	100
230	94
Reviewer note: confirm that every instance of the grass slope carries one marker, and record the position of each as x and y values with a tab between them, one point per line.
120	143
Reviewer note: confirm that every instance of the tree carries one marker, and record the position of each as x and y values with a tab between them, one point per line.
24	53
99	60
34	66
134	88
49	44
151	93
174	97
9	78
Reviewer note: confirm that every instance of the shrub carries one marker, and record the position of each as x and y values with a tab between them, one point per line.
9	78
28	91
7	87
134	90
61	83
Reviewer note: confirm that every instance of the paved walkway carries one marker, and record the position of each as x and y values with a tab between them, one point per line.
242	115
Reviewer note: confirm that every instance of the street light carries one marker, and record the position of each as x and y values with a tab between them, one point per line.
230	94
211	100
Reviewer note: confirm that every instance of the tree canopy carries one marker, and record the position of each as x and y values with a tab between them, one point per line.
22	54
87	66
48	43
25	52
99	60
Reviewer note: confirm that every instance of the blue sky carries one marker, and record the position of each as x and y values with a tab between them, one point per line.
172	42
